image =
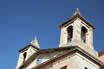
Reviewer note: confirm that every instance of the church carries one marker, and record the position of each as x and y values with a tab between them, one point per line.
75	51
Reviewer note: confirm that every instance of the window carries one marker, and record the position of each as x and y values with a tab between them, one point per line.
65	67
39	59
86	68
83	34
70	33
24	55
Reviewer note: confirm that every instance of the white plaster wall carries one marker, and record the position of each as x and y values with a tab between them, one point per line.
77	24
69	61
75	61
45	57
84	62
64	35
76	39
77	30
29	51
20	60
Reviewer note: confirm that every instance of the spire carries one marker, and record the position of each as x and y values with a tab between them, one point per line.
77	11
35	43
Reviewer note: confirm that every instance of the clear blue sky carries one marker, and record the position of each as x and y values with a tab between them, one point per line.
21	20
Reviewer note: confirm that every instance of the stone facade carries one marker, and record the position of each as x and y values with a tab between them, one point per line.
45	57
29	52
75	51
77	25
74	61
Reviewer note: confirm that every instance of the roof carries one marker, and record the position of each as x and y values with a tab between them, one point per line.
34	43
27	46
72	49
42	51
76	14
101	53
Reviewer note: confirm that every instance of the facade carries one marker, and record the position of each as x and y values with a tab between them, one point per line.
75	51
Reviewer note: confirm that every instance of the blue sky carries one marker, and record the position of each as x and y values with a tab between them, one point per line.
21	20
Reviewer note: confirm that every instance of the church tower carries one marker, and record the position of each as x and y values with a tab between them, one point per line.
75	51
27	52
77	31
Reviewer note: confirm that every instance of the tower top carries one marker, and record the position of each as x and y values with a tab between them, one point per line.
76	15
77	31
77	12
34	42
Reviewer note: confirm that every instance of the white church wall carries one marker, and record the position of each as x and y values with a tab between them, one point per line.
75	61
68	60
20	60
45	57
85	62
30	52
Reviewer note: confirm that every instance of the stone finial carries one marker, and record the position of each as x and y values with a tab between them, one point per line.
35	43
77	11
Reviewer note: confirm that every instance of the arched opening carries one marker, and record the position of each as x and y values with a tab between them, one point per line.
39	59
24	55
83	34
70	33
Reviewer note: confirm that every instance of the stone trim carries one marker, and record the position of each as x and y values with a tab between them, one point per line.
72	49
69	21
52	60
26	47
42	51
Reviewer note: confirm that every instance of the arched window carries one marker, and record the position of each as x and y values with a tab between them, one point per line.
24	55
39	59
70	33
83	34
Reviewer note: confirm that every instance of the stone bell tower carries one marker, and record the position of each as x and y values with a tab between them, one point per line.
76	50
77	31
27	52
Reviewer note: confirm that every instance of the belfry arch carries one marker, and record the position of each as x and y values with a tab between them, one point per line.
70	33
83	34
24	56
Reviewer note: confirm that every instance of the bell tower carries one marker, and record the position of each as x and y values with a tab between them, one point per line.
27	52
77	31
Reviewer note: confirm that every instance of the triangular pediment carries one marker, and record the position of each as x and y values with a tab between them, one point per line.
28	46
71	20
70	52
34	44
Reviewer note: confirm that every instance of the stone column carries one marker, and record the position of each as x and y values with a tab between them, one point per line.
77	30
63	37
90	38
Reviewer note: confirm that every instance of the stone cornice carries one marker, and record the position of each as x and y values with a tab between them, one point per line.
26	47
69	21
72	50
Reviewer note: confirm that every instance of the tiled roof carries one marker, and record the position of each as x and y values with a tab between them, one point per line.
101	53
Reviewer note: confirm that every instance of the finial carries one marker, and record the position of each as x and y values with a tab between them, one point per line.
34	42
77	11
